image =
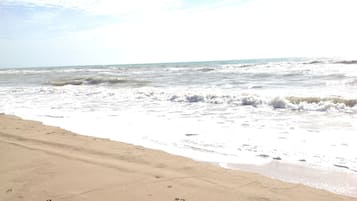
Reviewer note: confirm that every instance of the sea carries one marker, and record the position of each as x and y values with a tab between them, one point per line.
301	112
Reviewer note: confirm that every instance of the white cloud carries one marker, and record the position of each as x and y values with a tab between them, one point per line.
276	28
106	7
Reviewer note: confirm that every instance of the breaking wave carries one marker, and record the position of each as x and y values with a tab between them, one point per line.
291	102
352	82
317	100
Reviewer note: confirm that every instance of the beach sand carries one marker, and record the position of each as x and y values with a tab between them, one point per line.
43	163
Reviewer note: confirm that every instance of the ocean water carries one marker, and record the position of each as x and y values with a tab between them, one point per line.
295	111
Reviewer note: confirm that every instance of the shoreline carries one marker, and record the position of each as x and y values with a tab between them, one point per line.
342	183
45	162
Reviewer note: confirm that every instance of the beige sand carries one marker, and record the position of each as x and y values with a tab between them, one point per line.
43	163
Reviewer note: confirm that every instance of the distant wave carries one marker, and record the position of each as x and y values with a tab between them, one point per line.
346	62
22	71
206	69
97	81
331	61
314	62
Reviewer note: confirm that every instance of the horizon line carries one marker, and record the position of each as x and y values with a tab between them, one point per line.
168	62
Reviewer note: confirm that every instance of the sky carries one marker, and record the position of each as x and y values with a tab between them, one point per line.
99	32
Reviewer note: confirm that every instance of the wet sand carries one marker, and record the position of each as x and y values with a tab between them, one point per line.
41	162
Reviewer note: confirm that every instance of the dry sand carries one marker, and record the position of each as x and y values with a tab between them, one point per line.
42	163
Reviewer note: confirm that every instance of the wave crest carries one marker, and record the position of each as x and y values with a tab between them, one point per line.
316	100
291	102
346	62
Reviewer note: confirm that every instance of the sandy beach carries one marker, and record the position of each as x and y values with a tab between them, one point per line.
42	163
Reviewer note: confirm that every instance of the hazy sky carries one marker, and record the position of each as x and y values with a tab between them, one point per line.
80	32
